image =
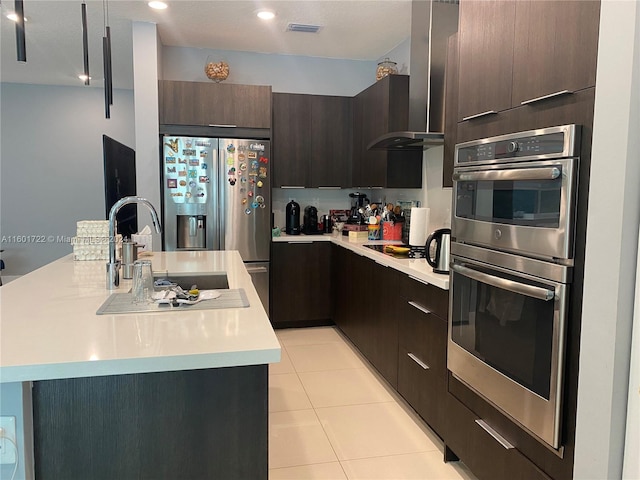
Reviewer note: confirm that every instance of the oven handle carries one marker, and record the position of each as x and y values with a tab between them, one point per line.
545	173
521	288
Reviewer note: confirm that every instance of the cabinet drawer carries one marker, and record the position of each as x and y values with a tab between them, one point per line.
433	299
485	451
422	358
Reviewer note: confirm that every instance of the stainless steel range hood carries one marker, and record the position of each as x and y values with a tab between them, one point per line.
432	22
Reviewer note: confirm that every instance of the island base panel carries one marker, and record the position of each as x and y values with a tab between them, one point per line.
193	424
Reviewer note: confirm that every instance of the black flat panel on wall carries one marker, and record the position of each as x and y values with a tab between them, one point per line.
119	182
196	424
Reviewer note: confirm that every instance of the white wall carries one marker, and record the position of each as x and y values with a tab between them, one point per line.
285	73
145	84
51	165
611	248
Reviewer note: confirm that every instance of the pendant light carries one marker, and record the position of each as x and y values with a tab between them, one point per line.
106	57
21	48
85	43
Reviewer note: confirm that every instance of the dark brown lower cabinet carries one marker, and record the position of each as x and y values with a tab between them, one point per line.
422	363
300	284
488	457
194	424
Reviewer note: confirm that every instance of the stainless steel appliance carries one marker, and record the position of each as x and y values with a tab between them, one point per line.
217	196
440	261
192	232
511	272
517	192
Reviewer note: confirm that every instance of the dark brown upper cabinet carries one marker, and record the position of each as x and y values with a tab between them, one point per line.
514	54
555	49
486	32
331	119
215	104
291	135
383	108
311	140
450	110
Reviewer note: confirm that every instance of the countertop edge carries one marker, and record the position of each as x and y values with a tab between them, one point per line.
417	269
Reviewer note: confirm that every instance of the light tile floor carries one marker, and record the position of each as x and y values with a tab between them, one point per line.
331	417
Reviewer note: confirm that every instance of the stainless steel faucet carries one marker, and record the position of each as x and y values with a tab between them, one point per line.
113	267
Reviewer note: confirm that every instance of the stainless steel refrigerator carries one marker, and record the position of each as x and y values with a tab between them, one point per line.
217	196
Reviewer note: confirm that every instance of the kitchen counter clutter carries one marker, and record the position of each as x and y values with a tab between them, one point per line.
50	329
417	268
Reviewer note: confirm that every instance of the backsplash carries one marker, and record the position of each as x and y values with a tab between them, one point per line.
432	195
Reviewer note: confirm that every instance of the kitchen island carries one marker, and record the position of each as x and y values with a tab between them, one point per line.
173	394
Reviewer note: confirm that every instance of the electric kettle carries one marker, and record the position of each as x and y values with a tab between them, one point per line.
440	263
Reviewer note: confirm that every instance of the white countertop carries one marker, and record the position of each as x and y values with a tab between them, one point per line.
416	268
49	327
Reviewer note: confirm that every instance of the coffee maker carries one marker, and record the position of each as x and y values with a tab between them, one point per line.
358	201
292	218
310	221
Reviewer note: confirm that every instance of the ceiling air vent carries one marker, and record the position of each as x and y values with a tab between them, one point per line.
304	28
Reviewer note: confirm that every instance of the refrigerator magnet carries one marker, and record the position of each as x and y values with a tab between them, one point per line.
193	174
259	199
244	201
231	148
241	156
250	193
170	159
252	155
172	183
243	180
259	183
204	166
232	181
255	205
248	211
187	195
264	160
183	183
192	184
203	179
243	166
231	171
262	173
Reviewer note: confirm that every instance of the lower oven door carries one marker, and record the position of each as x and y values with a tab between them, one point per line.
506	340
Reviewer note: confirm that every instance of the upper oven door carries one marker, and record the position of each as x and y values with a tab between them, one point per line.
526	207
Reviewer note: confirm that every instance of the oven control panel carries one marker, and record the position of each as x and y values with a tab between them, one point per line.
550	142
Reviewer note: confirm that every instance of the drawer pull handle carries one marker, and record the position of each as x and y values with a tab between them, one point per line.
418	280
222	125
419	307
301	242
499	438
292	186
257	270
478	115
544	97
418	361
329	187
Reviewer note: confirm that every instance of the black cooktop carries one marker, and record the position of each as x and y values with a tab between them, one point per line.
380	248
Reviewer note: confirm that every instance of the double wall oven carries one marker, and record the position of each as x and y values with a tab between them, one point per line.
511	267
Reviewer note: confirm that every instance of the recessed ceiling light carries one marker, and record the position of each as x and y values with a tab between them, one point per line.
12	16
266	14
157	5
83	77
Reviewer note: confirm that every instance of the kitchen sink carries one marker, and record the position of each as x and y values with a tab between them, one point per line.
205	281
119	303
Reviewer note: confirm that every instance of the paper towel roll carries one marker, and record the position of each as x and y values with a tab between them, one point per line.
418	228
